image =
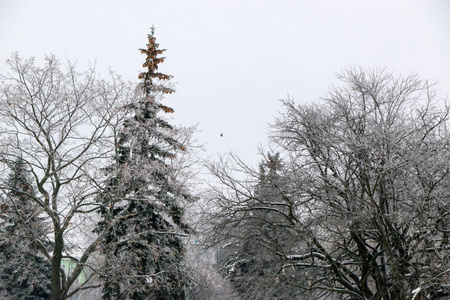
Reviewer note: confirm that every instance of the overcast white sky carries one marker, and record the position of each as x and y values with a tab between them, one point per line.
234	59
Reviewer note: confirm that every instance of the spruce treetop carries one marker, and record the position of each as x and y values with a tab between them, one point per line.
151	63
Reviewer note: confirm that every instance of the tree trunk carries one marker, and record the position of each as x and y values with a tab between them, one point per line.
56	289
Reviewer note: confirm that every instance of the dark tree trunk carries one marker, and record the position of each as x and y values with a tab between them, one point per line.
56	289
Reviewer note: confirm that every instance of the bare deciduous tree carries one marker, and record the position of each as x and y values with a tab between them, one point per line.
61	125
367	171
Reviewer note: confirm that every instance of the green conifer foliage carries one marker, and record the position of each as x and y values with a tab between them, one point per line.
23	273
143	250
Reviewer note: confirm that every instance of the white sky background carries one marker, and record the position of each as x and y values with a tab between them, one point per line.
232	60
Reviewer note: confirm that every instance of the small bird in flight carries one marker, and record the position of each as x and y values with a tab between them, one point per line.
221	135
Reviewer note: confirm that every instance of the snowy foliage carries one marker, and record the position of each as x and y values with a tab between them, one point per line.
60	123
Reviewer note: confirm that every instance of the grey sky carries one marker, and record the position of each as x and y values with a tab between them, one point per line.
233	60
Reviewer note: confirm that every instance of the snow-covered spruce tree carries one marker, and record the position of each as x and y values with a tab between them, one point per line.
254	229
23	273
143	249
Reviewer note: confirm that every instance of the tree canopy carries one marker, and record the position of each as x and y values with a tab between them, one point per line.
365	185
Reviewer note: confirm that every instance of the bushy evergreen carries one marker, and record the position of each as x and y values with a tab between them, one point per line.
23	273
